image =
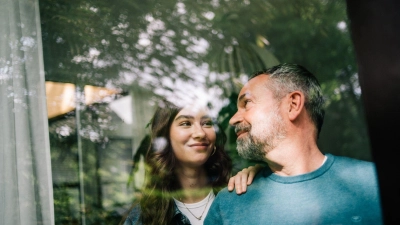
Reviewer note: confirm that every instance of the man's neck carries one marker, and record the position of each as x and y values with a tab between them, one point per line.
291	159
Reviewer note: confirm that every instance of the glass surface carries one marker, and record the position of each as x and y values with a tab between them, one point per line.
107	63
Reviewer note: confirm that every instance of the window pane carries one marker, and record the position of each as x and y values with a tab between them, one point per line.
107	65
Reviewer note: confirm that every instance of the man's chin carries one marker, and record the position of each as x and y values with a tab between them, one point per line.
242	154
242	140
245	155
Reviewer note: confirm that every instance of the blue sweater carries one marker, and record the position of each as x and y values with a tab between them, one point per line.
341	191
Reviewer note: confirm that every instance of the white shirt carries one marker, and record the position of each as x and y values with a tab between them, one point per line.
198	209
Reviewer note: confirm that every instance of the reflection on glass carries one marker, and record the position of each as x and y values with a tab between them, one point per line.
125	55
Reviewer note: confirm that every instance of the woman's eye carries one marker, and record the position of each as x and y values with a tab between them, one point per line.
185	123
208	123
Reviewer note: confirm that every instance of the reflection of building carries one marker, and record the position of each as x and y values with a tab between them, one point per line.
61	97
94	168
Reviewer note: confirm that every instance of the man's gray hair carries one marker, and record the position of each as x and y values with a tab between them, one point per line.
287	78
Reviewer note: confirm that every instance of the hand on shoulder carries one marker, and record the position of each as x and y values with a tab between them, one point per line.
243	178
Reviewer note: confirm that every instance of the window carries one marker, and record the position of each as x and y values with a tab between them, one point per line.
79	82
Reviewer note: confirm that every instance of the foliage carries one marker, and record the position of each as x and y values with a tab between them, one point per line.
314	34
160	44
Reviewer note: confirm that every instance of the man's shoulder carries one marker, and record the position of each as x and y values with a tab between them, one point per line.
355	167
224	193
352	162
255	185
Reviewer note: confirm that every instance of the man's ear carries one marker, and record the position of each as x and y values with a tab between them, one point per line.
296	104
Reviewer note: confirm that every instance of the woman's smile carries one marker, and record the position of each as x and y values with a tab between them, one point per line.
199	145
192	136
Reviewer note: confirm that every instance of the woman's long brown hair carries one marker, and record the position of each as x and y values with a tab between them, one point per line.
156	203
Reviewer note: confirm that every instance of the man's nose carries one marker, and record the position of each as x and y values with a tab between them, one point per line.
236	118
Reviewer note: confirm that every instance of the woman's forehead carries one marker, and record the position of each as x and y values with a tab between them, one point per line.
194	110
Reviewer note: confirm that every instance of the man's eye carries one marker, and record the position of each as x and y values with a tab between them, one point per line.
246	101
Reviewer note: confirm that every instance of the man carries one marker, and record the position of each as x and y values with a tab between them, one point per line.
279	118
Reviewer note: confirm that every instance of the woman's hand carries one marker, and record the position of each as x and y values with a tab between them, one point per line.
243	178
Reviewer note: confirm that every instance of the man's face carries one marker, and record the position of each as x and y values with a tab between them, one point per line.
258	123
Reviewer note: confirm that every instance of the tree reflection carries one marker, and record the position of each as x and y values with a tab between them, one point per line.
184	49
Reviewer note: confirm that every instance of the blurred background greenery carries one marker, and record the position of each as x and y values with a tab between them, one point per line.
143	50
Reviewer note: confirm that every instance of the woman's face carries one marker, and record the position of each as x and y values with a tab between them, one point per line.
192	136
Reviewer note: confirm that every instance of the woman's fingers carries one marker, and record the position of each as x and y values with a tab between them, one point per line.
251	175
231	183
239	182
243	178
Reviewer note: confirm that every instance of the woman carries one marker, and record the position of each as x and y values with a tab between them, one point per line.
186	166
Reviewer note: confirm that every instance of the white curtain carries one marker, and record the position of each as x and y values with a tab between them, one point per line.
26	194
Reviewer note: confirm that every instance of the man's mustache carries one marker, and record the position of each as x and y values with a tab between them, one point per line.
242	128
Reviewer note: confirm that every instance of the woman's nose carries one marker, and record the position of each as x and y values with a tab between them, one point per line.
198	132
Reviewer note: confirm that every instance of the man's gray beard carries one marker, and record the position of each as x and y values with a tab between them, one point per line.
249	148
270	134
